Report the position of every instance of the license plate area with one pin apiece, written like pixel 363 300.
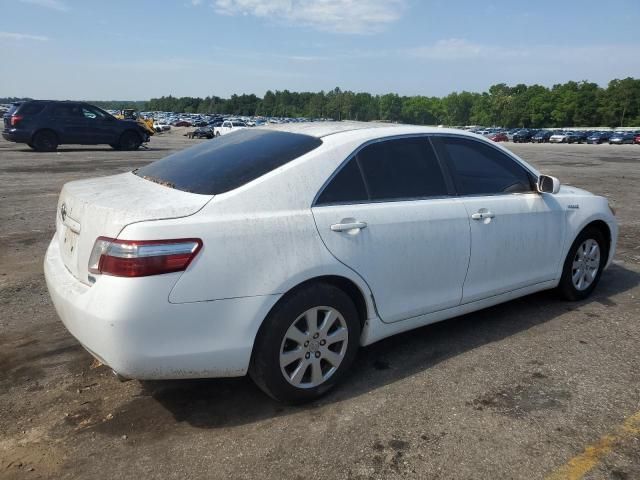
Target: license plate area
pixel 69 246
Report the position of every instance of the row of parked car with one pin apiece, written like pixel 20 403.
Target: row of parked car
pixel 562 136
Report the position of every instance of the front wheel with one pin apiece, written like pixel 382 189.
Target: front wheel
pixel 584 264
pixel 130 141
pixel 306 345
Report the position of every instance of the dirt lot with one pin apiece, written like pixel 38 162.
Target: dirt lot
pixel 516 391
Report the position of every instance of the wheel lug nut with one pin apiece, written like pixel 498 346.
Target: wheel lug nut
pixel 307 355
pixel 317 354
pixel 306 344
pixel 322 342
pixel 316 335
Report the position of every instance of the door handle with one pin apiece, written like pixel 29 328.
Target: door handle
pixel 344 227
pixel 482 215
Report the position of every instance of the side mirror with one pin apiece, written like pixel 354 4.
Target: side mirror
pixel 548 184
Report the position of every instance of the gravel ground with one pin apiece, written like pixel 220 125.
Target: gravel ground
pixel 514 391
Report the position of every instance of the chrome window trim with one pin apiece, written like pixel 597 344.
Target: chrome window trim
pixel 443 168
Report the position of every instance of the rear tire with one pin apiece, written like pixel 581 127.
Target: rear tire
pixel 306 345
pixel 584 264
pixel 130 141
pixel 44 141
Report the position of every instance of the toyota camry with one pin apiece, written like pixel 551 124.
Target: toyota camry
pixel 279 251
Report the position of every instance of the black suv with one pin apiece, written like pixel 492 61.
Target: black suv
pixel 45 124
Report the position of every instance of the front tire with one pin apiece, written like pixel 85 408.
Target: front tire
pixel 306 345
pixel 130 141
pixel 584 264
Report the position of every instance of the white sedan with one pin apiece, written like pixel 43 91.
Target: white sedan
pixel 279 251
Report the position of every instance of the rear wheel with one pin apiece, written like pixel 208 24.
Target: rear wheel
pixel 217 134
pixel 44 141
pixel 130 141
pixel 584 264
pixel 306 344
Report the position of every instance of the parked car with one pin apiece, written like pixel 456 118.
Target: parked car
pixel 598 137
pixel 202 132
pixel 229 126
pixel 182 123
pixel 46 124
pixel 499 137
pixel 620 138
pixel 542 136
pixel 270 251
pixel 523 136
pixel 636 139
pixel 577 137
pixel 559 137
pixel 161 127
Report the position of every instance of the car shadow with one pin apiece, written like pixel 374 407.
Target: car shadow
pixel 96 149
pixel 216 403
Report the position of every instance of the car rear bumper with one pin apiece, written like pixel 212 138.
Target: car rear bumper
pixel 18 136
pixel 129 324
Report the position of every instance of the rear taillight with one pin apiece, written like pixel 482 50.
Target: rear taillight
pixel 142 258
pixel 15 119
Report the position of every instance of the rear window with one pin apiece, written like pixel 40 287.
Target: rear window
pixel 31 108
pixel 229 161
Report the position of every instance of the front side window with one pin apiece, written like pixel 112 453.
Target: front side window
pixel 92 113
pixel 480 169
pixel 405 168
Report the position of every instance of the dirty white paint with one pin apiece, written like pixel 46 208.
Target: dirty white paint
pixel 422 260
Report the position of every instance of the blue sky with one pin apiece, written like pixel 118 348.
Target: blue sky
pixel 123 49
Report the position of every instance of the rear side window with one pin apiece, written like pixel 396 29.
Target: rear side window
pixel 229 161
pixel 347 186
pixel 480 169
pixel 66 110
pixel 31 108
pixel 390 170
pixel 401 168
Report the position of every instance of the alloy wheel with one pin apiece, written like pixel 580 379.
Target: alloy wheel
pixel 313 347
pixel 586 264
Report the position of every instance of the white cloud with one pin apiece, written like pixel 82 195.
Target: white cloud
pixel 22 36
pixel 460 49
pixel 338 16
pixel 51 4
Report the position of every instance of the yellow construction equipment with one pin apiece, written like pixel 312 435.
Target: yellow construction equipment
pixel 132 114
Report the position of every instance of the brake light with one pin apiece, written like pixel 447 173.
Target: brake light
pixel 15 119
pixel 142 258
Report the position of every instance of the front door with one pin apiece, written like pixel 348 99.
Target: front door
pixel 517 234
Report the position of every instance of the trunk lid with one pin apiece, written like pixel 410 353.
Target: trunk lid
pixel 103 206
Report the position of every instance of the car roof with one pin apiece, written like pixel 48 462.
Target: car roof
pixel 362 129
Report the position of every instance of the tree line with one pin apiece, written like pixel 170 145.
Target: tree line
pixel 563 105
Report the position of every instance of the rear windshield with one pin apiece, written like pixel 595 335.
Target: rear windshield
pixel 31 108
pixel 228 161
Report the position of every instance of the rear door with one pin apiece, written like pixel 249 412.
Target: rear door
pixel 68 122
pixel 517 234
pixel 387 214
